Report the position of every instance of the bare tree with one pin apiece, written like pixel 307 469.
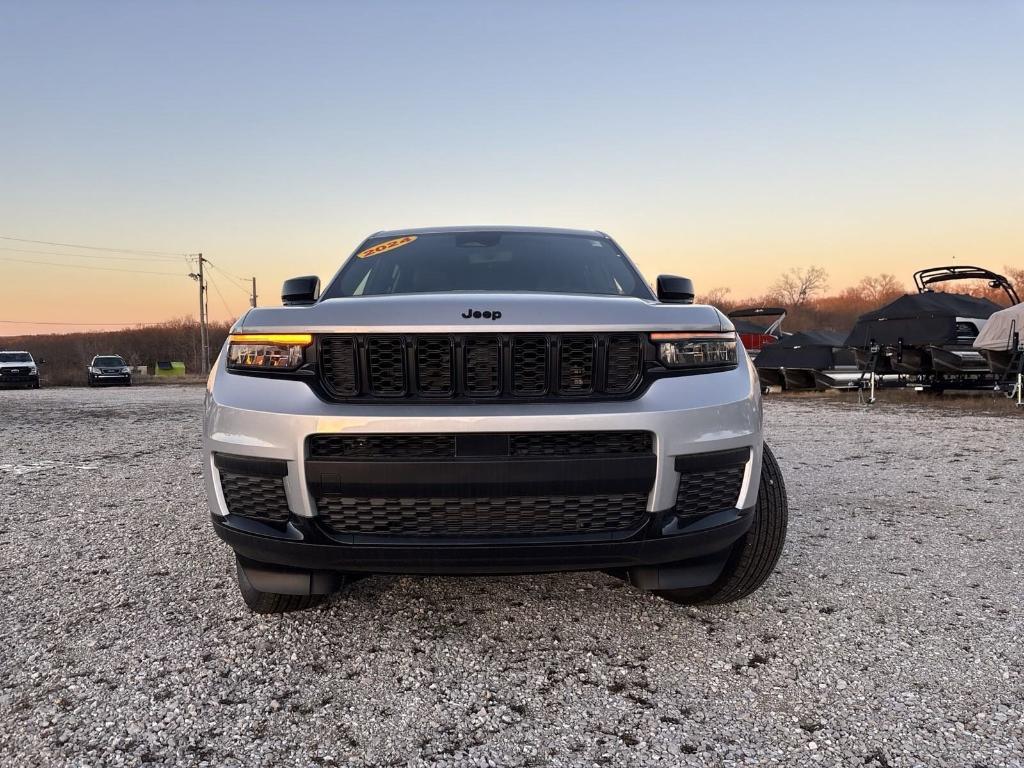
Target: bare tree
pixel 798 286
pixel 716 297
pixel 880 288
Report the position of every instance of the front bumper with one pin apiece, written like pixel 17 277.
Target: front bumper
pixel 17 379
pixel 261 418
pixel 305 546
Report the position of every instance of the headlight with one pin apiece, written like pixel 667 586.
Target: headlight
pixel 93 370
pixel 32 371
pixel 694 350
pixel 267 351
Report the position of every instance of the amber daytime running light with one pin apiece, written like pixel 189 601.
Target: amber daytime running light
pixel 267 351
pixel 696 349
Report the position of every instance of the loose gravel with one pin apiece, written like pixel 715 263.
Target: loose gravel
pixel 889 636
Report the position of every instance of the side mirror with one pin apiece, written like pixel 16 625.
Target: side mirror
pixel 675 290
pixel 300 290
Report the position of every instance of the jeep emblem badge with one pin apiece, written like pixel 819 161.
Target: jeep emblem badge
pixel 491 314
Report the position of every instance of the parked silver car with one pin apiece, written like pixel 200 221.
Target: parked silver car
pixel 487 400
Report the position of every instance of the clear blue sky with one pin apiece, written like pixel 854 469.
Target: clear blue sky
pixel 711 139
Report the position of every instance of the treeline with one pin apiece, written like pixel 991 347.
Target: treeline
pixel 68 354
pixel 803 292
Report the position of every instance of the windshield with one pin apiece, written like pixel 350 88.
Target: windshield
pixel 536 262
pixel 109 361
pixel 15 357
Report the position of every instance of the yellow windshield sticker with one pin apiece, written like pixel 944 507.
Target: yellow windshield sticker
pixel 388 245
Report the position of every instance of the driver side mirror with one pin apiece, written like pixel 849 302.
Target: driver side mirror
pixel 675 290
pixel 300 290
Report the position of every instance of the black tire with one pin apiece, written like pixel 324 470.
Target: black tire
pixel 754 556
pixel 271 602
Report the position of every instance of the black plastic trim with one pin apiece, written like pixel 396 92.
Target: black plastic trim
pixel 701 462
pixel 462 478
pixel 247 465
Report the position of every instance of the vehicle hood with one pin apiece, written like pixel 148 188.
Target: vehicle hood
pixel 519 312
pixel 17 365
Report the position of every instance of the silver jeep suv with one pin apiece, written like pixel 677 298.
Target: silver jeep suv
pixel 490 400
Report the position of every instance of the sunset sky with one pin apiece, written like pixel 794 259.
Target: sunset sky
pixel 723 141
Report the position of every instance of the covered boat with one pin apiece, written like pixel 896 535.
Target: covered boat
pixel 1000 340
pixel 928 333
pixel 797 361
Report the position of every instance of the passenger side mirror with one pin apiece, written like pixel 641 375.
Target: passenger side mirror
pixel 300 290
pixel 675 290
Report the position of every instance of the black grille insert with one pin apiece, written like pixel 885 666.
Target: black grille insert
pixel 434 365
pixel 580 443
pixel 490 517
pixel 529 365
pixel 482 370
pixel 259 497
pixel 381 446
pixel 472 365
pixel 712 490
pixel 338 358
pixel 624 354
pixel 576 365
pixel 386 357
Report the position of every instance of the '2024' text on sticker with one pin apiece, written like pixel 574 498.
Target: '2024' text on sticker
pixel 387 245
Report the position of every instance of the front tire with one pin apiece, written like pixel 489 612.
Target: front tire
pixel 271 602
pixel 754 556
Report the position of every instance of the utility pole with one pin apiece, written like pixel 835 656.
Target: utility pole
pixel 252 301
pixel 204 339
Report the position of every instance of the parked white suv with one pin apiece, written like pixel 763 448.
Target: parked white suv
pixel 489 400
pixel 18 368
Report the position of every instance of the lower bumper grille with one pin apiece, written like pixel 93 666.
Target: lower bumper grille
pixel 342 447
pixel 490 517
pixel 262 498
pixel 713 490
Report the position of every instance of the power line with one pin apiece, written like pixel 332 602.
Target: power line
pixel 223 301
pixel 52 323
pixel 86 266
pixel 95 256
pixel 228 274
pixel 93 247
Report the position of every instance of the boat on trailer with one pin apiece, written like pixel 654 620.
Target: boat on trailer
pixel 930 335
pixel 1001 343
pixel 758 327
pixel 807 360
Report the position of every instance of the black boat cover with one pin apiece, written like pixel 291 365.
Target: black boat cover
pixel 918 319
pixel 807 349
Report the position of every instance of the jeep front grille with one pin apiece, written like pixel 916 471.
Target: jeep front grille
pixel 481 366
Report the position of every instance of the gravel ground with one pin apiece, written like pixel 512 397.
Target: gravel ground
pixel 890 635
